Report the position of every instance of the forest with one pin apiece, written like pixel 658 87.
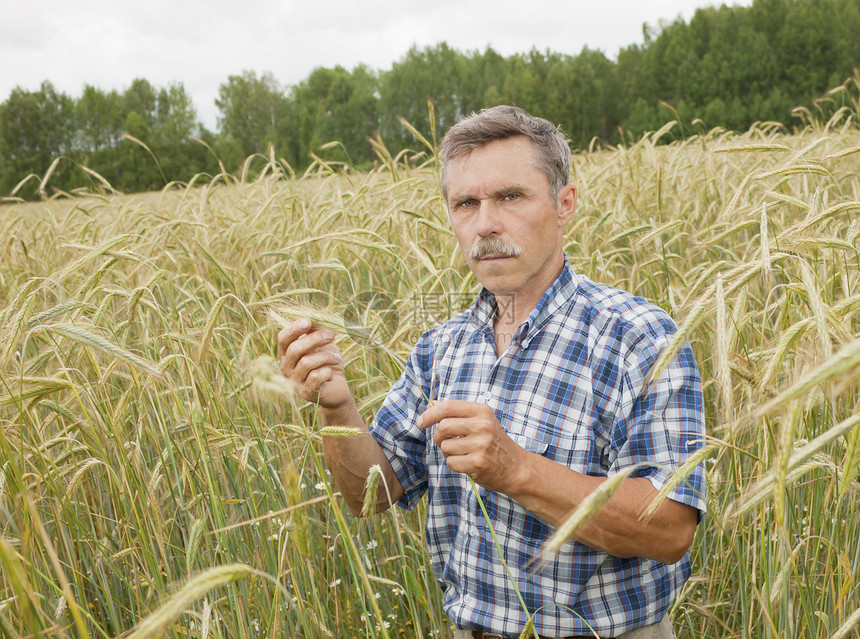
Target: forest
pixel 775 61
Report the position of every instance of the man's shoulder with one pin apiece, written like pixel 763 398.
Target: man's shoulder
pixel 603 306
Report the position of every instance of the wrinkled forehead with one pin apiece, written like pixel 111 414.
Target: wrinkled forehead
pixel 518 152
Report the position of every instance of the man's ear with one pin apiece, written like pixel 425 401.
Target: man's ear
pixel 566 203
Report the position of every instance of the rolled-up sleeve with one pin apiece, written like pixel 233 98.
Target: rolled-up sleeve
pixel 394 424
pixel 660 423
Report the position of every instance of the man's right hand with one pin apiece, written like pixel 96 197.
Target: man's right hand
pixel 310 359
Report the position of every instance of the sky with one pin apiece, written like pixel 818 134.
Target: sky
pixel 109 43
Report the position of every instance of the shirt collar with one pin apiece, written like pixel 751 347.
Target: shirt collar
pixel 563 287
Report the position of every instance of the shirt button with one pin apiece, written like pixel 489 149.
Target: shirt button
pixel 488 396
pixel 473 530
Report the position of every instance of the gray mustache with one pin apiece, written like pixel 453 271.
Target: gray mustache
pixel 493 246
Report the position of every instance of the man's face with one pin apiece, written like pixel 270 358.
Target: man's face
pixel 498 199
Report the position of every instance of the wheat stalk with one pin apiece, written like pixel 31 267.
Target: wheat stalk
pixel 721 353
pixel 284 314
pixel 159 621
pixel 86 337
pixel 29 389
pixel 292 482
pixel 845 630
pixel 673 347
pixel 192 549
pixel 588 508
pixel 846 359
pixel 371 485
pixel 678 478
pixel 798 463
pixel 339 431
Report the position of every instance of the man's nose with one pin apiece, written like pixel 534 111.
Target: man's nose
pixel 489 219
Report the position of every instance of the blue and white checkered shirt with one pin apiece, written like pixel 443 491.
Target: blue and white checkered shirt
pixel 570 387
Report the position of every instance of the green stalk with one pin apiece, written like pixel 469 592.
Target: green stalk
pixel 501 554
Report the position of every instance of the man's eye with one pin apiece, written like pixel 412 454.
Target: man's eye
pixel 512 196
pixel 468 204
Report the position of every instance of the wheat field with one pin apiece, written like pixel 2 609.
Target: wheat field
pixel 157 478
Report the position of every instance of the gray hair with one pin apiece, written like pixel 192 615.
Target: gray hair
pixel 552 154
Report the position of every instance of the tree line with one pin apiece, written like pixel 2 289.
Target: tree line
pixel 727 66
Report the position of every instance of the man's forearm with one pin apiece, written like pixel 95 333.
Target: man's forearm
pixel 349 460
pixel 552 491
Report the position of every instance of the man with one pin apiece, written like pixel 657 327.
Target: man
pixel 536 393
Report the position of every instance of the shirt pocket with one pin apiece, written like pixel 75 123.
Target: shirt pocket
pixel 561 440
pixel 532 445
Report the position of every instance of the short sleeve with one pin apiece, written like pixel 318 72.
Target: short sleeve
pixel 394 427
pixel 661 424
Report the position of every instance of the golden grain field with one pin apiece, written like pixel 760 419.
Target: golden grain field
pixel 157 478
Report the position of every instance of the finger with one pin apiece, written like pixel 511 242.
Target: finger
pixel 450 428
pixel 464 464
pixel 292 332
pixel 316 360
pixel 299 348
pixel 456 446
pixel 448 409
pixel 317 377
pixel 472 464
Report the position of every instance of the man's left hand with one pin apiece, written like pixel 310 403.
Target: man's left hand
pixel 473 442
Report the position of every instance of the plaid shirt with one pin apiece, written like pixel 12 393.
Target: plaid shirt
pixel 569 387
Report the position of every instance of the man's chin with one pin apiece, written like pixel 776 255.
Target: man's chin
pixel 496 283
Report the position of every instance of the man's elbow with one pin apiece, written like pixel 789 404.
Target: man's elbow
pixel 357 508
pixel 675 554
pixel 679 540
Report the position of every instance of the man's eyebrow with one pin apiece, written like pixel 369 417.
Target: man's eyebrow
pixel 505 189
pixel 508 189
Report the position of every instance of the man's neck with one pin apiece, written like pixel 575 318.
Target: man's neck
pixel 503 332
pixel 511 311
pixel 514 308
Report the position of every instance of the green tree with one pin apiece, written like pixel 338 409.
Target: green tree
pixel 140 97
pixel 35 128
pixel 351 115
pixel 434 73
pixel 137 169
pixel 176 126
pixel 175 117
pixel 100 117
pixel 483 80
pixel 642 117
pixel 523 86
pixel 628 76
pixel 254 112
pixel 580 95
pixel 336 105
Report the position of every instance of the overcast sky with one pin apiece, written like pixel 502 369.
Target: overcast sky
pixel 108 43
